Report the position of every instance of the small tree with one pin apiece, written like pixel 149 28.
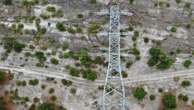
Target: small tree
pixel 139 93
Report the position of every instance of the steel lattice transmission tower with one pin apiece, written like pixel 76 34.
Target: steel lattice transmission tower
pixel 114 93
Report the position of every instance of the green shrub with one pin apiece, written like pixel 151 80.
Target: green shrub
pixel 80 16
pixel 2 104
pixel 74 72
pixel 169 101
pixel 46 106
pixel 59 13
pixel 93 28
pixel 124 74
pixel 186 83
pixel 173 29
pixel 152 61
pixel 158 58
pixel 10 43
pixel 40 56
pixel 187 63
pixel 54 61
pixel 89 74
pixel 34 82
pixel 2 75
pixel 187 5
pixel 7 2
pixel 66 82
pixel 51 9
pixel 51 90
pixel 65 45
pixel 178 1
pixel 128 64
pixel 60 26
pixel 18 47
pixel 152 97
pixel 99 60
pixel 71 30
pixel 139 93
pixel 182 97
pixel 131 1
pixel 146 40
pixel 73 90
pixel 84 58
pixel 92 1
